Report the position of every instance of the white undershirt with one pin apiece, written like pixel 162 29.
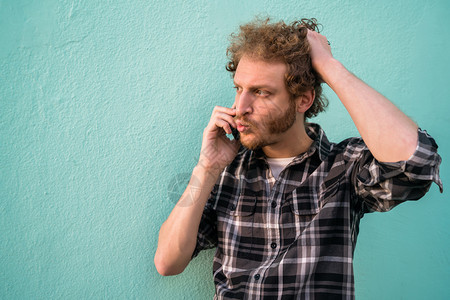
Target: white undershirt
pixel 278 164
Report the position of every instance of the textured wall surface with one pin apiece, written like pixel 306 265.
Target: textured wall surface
pixel 102 108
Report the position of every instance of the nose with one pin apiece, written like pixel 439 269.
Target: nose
pixel 244 101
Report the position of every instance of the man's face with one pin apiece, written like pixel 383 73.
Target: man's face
pixel 264 109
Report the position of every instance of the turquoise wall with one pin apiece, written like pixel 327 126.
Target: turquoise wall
pixel 103 104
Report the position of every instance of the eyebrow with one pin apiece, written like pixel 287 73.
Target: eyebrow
pixel 258 86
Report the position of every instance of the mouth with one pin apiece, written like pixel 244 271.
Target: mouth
pixel 241 127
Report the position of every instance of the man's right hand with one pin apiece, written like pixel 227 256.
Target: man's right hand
pixel 218 150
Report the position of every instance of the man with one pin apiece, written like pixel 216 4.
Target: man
pixel 283 209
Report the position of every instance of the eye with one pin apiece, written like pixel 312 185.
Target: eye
pixel 238 89
pixel 262 93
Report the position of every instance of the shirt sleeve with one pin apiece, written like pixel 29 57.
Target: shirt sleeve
pixel 207 231
pixel 382 186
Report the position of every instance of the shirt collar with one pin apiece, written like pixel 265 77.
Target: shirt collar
pixel 316 133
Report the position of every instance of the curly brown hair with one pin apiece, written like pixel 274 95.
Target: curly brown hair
pixel 261 39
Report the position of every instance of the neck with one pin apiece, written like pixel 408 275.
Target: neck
pixel 291 143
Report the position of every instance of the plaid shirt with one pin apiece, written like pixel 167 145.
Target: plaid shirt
pixel 294 237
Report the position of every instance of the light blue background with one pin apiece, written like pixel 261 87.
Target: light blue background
pixel 103 104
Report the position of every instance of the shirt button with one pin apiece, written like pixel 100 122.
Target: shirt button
pixel 273 245
pixel 257 276
pixel 233 207
pixel 274 204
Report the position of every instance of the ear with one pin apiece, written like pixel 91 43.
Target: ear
pixel 305 101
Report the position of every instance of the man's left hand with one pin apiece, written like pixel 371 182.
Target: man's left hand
pixel 320 51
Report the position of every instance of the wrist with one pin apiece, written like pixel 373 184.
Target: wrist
pixel 327 68
pixel 209 171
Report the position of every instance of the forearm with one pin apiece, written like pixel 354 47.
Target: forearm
pixel 178 234
pixel 388 133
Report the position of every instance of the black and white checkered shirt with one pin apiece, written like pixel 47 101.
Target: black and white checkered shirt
pixel 294 237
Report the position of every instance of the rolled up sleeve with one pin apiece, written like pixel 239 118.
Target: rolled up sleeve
pixel 382 186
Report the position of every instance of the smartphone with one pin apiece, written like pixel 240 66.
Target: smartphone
pixel 235 133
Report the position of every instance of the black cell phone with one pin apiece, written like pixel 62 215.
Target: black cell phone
pixel 235 133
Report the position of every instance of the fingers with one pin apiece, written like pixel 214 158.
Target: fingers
pixel 315 37
pixel 217 149
pixel 224 125
pixel 222 117
pixel 320 52
pixel 230 111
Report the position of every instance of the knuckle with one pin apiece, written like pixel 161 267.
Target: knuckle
pixel 220 123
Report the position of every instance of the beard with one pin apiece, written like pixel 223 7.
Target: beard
pixel 265 132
